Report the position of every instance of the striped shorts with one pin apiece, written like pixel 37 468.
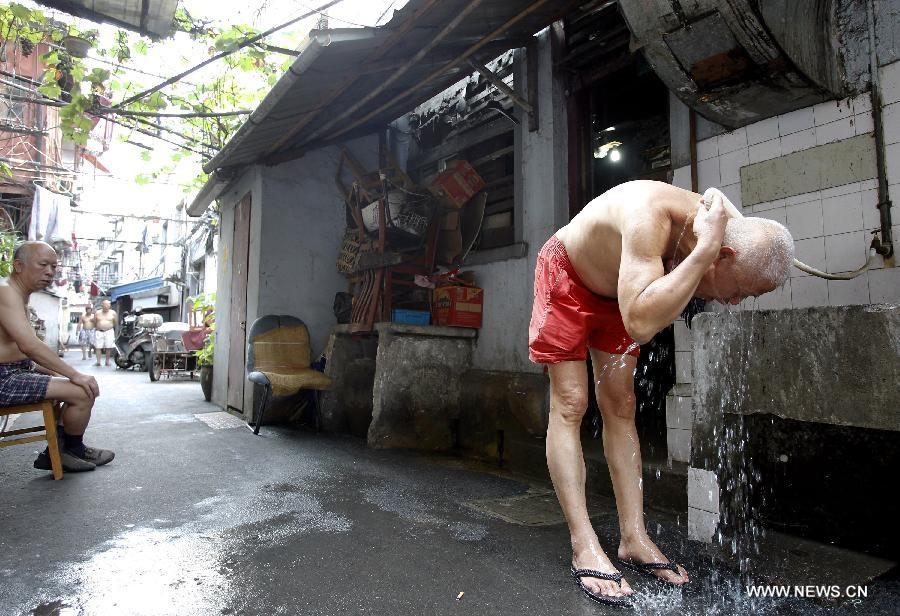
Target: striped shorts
pixel 20 384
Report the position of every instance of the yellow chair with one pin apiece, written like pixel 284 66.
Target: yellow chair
pixel 278 358
pixel 48 429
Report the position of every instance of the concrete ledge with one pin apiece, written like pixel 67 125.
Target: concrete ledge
pixel 437 331
pixel 834 365
pixel 347 406
pixel 417 385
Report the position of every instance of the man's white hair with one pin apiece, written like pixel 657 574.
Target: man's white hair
pixel 765 248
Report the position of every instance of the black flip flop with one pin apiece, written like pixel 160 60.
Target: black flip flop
pixel 595 596
pixel 649 569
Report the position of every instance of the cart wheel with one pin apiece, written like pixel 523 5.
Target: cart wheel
pixel 155 364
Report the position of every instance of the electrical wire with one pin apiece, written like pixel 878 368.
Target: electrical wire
pixel 112 215
pixel 329 17
pixel 384 12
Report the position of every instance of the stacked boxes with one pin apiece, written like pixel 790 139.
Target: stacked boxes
pixel 458 306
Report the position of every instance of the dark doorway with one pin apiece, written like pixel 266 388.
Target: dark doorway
pixel 628 114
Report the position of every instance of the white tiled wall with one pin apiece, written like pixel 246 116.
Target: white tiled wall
pixel 832 228
pixel 703 504
pixel 679 404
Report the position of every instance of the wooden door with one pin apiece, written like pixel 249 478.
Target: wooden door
pixel 237 331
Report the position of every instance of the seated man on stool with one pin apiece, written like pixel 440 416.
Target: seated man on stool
pixel 30 371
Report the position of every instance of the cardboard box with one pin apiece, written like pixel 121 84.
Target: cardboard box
pixel 455 186
pixel 458 306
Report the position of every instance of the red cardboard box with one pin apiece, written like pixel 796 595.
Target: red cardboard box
pixel 459 183
pixel 458 306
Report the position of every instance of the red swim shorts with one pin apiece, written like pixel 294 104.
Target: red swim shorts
pixel 567 317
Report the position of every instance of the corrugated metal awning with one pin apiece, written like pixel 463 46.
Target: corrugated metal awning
pixel 151 17
pixel 353 81
pixel 128 288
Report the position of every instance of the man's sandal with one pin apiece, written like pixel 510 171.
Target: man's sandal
pixel 650 569
pixel 596 596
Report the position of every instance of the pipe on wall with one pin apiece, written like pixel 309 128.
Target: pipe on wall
pixel 883 245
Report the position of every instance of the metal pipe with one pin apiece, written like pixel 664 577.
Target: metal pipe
pixel 692 123
pixel 442 70
pixel 39 137
pixel 399 72
pixel 885 246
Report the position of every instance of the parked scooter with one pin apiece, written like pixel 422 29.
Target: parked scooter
pixel 133 343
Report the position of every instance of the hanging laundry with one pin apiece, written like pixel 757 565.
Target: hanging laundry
pixel 43 214
pixel 51 217
pixel 65 223
pixel 144 244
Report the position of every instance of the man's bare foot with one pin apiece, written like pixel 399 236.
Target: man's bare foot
pixel 643 550
pixel 593 557
pixel 97 364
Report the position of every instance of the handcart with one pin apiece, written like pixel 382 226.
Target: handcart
pixel 173 351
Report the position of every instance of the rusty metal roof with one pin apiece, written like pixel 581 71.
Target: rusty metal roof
pixel 353 81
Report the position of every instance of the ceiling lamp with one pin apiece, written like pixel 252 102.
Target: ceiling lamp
pixel 604 149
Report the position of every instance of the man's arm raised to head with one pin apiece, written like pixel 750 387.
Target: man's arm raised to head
pixel 650 299
pixel 12 310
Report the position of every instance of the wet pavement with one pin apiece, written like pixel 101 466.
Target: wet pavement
pixel 197 516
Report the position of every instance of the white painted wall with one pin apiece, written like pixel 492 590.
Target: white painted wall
pixel 49 308
pixel 302 225
pixel 503 339
pixel 296 226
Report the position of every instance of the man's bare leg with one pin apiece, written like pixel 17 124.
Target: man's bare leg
pixel 108 351
pixel 568 403
pixel 97 350
pixel 77 408
pixel 614 377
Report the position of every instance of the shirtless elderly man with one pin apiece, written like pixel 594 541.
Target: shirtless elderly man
pixel 105 321
pixel 85 331
pixel 30 371
pixel 605 283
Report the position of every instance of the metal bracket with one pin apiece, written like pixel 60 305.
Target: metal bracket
pixel 498 83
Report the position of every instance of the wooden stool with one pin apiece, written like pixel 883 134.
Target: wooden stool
pixel 49 430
